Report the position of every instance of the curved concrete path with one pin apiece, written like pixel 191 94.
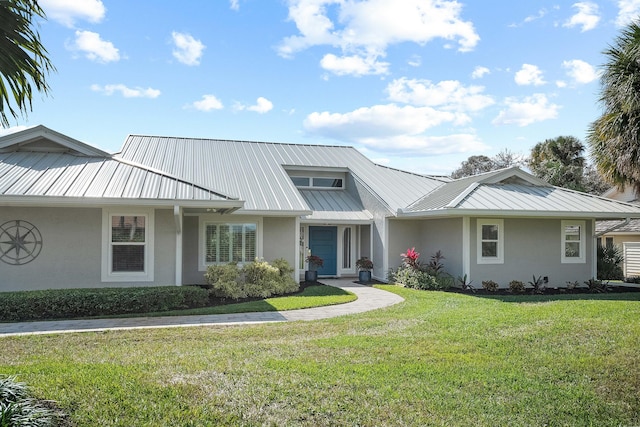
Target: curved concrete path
pixel 369 298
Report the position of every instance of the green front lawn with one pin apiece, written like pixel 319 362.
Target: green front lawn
pixel 439 358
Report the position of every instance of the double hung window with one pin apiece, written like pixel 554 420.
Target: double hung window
pixel 490 241
pixel 127 246
pixel 573 242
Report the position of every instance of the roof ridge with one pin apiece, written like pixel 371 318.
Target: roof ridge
pixel 239 140
pixel 168 175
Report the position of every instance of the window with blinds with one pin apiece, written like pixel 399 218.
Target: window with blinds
pixel 230 243
pixel 128 242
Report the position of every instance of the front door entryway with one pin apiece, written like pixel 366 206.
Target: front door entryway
pixel 323 242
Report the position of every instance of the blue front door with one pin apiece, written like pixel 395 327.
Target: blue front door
pixel 323 242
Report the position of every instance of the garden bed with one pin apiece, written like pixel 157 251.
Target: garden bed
pixel 549 291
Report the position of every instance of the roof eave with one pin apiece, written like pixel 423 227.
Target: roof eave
pixel 516 213
pixel 57 201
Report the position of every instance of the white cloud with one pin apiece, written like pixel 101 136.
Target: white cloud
pixel 561 83
pixel 234 4
pixel 367 28
pixel 262 105
pixel 629 11
pixel 95 48
pixel 449 95
pixel 529 75
pixel 127 92
pixel 393 129
pixel 187 49
pixel 479 72
pixel 580 71
pixel 208 103
pixel 415 61
pixel 67 12
pixel 587 16
pixel 541 14
pixel 532 109
pixel 353 65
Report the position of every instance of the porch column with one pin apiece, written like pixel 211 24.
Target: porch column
pixel 177 215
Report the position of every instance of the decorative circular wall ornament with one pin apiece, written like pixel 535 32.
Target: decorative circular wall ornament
pixel 20 242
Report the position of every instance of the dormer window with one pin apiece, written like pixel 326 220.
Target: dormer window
pixel 317 182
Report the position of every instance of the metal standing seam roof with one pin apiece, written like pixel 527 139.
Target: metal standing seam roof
pixel 443 195
pixel 334 205
pixel 522 198
pixel 254 171
pixel 70 176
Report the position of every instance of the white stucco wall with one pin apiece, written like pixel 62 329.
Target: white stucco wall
pixel 279 239
pixel 531 247
pixel 71 255
pixel 276 239
pixel 428 237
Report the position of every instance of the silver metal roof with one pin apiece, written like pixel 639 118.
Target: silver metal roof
pixel 69 176
pixel 518 199
pixel 632 227
pixel 334 205
pixel 254 171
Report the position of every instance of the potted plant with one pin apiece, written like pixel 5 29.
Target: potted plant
pixel 315 262
pixel 364 266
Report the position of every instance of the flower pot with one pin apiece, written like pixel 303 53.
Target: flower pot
pixel 364 276
pixel 310 276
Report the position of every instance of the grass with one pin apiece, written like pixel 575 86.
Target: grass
pixel 437 359
pixel 311 296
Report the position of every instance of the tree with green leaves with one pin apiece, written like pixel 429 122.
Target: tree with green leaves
pixel 614 138
pixel 480 164
pixel 559 161
pixel 24 64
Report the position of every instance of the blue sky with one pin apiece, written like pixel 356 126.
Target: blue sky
pixel 414 84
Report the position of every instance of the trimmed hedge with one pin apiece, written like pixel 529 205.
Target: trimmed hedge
pixel 70 303
pixel 258 279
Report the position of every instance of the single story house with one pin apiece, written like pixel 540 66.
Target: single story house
pixel 162 209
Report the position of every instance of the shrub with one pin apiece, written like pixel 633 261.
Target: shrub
pixel 259 279
pixel 17 408
pixel 416 279
pixel 70 303
pixel 572 285
pixel 609 260
pixel 489 285
pixel 516 286
pixel 435 267
pixel 225 281
pixel 632 279
pixel 537 285
pixel 410 258
pixel 465 284
pixel 597 286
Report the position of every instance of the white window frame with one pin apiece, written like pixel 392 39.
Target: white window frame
pixel 499 259
pixel 341 250
pixel 107 275
pixel 582 244
pixel 312 178
pixel 202 243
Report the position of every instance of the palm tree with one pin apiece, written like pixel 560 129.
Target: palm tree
pixel 23 59
pixel 559 161
pixel 614 138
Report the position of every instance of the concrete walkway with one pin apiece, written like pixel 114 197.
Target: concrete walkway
pixel 368 299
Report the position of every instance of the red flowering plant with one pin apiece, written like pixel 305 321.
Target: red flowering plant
pixel 410 258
